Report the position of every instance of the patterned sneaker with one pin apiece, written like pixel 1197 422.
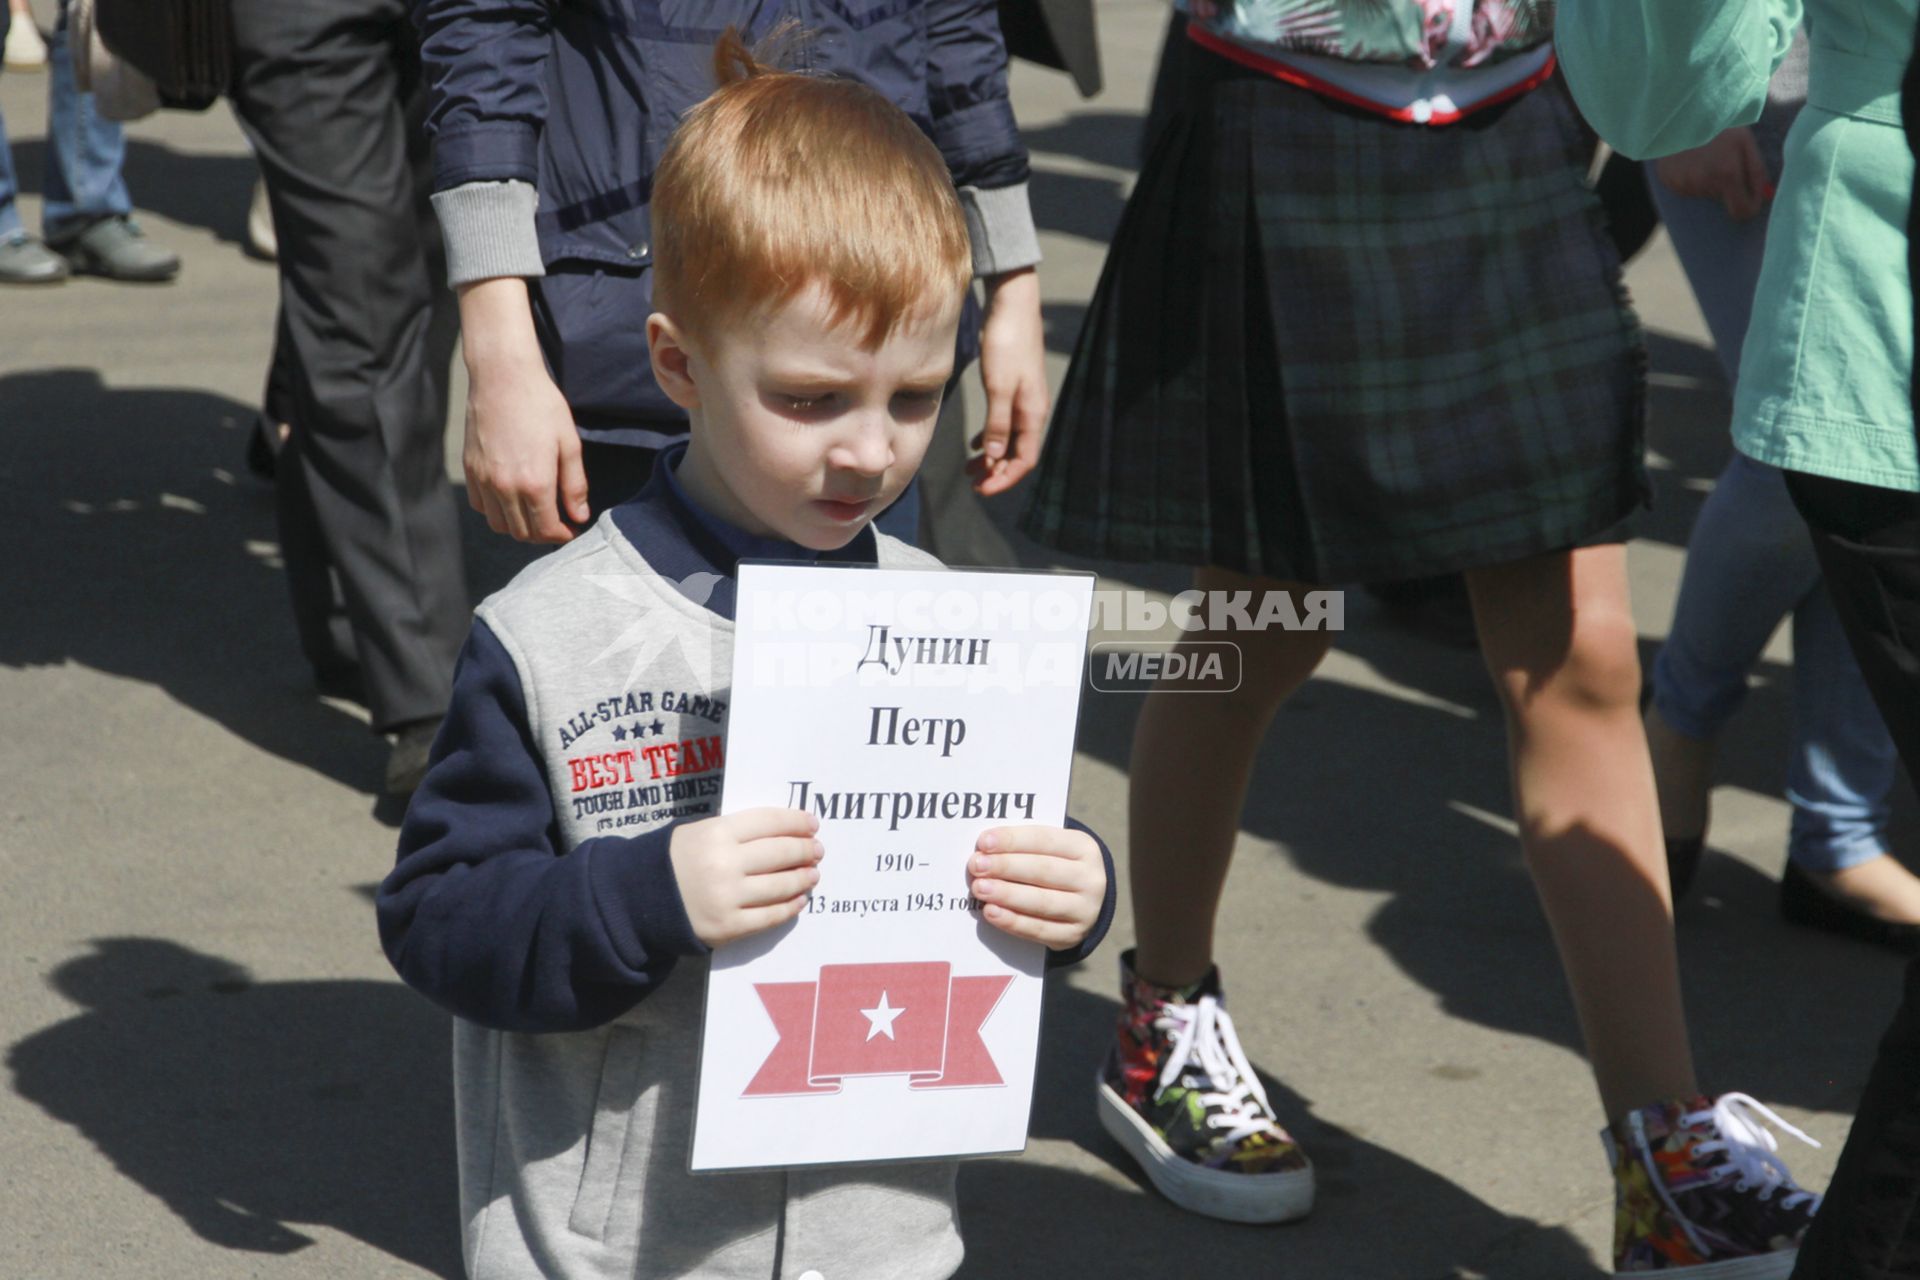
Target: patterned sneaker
pixel 1178 1094
pixel 1699 1192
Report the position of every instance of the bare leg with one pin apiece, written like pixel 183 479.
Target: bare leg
pixel 1559 639
pixel 1197 749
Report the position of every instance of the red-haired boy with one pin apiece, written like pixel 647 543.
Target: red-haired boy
pixel 811 259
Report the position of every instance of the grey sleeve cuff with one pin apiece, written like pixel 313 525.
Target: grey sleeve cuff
pixel 1000 224
pixel 488 229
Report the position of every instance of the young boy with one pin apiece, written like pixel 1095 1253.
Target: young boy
pixel 812 258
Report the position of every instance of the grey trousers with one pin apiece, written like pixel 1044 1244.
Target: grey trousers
pixel 328 90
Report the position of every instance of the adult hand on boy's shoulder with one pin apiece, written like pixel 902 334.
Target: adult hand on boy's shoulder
pixel 1042 883
pixel 1013 369
pixel 745 872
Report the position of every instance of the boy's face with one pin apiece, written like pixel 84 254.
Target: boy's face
pixel 798 431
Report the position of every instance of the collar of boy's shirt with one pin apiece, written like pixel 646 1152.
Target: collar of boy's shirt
pixel 698 551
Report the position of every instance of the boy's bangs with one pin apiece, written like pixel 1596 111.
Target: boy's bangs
pixel 880 266
pixel 783 181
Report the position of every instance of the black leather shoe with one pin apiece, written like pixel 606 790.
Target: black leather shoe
pixel 340 681
pixel 1804 902
pixel 407 762
pixel 263 450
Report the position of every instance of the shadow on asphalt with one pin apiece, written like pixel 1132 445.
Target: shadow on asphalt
pixel 1379 793
pixel 257 1111
pixel 1061 323
pixel 1018 1216
pixel 253 1110
pixel 209 191
pixel 1108 138
pixel 1075 204
pixel 141 546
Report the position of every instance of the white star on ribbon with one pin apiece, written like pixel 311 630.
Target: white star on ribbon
pixel 881 1019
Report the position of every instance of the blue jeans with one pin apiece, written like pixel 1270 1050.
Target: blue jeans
pixel 84 154
pixel 1750 562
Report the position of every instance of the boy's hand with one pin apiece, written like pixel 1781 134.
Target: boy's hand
pixel 745 872
pixel 1042 883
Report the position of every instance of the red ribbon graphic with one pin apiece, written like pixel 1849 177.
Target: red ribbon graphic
pixel 913 1019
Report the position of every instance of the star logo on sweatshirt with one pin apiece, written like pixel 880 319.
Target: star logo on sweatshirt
pixel 653 631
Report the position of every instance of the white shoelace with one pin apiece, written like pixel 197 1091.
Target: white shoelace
pixel 1750 1150
pixel 1201 1035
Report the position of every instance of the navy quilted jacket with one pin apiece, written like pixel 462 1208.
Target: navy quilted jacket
pixel 579 98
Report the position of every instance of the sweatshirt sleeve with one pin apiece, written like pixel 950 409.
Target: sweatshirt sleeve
pixel 1074 955
pixel 485 914
pixel 1658 76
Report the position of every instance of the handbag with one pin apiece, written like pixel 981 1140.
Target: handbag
pixel 119 92
pixel 139 55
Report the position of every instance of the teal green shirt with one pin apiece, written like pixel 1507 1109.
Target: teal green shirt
pixel 1825 378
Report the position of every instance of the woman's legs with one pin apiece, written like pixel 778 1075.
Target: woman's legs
pixel 1198 749
pixel 1749 564
pixel 1842 773
pixel 1719 628
pixel 1722 260
pixel 1177 1092
pixel 1559 639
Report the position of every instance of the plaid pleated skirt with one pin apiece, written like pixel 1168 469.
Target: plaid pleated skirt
pixel 1331 348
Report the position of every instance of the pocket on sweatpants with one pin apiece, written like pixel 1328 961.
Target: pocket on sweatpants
pixel 614 1105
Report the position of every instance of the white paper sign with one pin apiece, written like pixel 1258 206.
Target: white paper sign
pixel 911 710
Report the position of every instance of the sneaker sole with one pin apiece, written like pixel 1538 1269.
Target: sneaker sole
pixel 1232 1197
pixel 147 275
pixel 84 262
pixel 1771 1266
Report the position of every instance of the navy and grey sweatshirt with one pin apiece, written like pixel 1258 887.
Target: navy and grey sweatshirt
pixel 605 664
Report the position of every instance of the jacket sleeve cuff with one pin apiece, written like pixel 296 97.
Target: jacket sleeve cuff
pixel 640 904
pixel 485 151
pixel 1000 225
pixel 488 229
pixel 1074 955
